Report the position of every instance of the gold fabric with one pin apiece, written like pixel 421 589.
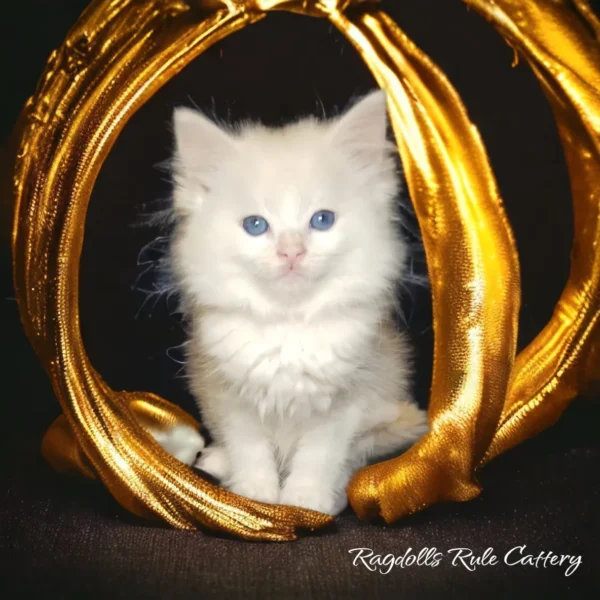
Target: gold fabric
pixel 470 368
pixel 473 270
pixel 562 48
pixel 119 54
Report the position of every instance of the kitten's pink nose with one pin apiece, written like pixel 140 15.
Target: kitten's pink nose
pixel 291 248
pixel 291 255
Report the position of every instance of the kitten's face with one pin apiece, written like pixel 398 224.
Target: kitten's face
pixel 276 218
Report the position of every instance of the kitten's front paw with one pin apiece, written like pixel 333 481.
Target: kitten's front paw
pixel 181 441
pixel 260 487
pixel 214 461
pixel 315 496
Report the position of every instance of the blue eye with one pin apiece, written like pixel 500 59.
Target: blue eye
pixel 322 220
pixel 255 225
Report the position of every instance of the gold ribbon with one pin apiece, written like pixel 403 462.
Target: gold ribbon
pixel 473 270
pixel 558 364
pixel 565 56
pixel 116 57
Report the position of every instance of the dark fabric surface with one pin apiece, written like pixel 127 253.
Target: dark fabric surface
pixel 64 537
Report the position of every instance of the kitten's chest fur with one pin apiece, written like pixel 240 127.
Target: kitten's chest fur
pixel 286 367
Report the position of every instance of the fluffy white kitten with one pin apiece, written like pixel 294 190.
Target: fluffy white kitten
pixel 287 255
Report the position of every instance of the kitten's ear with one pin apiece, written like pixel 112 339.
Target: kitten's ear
pixel 362 131
pixel 200 144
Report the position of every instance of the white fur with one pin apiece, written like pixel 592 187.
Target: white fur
pixel 182 441
pixel 300 377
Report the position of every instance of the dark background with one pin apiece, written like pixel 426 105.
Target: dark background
pixel 546 491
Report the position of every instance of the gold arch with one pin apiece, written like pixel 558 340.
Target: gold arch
pixel 119 54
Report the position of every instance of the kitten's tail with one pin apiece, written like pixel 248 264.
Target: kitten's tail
pixel 391 437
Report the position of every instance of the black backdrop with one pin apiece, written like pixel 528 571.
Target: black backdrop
pixel 285 66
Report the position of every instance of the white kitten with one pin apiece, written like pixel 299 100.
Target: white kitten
pixel 287 255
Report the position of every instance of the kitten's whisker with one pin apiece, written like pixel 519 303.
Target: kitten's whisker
pixel 145 301
pixel 152 245
pixel 323 111
pixel 194 103
pixel 169 354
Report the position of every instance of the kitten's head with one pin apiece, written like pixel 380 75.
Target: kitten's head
pixel 302 216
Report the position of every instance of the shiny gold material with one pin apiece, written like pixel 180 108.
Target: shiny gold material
pixel 473 270
pixel 119 53
pixel 564 358
pixel 60 447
